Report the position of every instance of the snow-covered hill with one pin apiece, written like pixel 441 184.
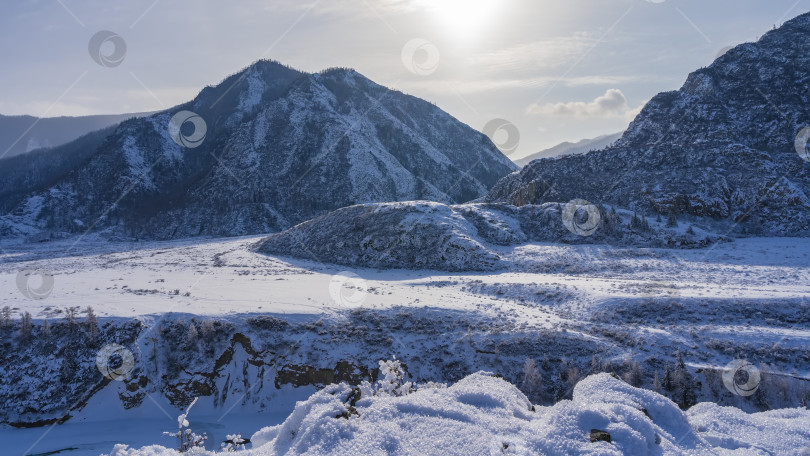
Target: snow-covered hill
pixel 280 147
pixel 723 147
pixel 485 415
pixel 469 237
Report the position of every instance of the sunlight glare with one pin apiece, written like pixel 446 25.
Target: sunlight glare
pixel 464 18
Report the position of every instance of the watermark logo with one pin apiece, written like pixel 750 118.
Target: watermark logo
pixel 188 129
pixel 802 144
pixel 39 288
pixel 581 217
pixel 420 57
pixel 504 134
pixel 115 361
pixel 348 289
pixel 107 48
pixel 741 378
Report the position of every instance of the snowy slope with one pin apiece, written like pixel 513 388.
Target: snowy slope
pixel 482 414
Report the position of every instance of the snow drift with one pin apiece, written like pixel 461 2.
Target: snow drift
pixel 483 414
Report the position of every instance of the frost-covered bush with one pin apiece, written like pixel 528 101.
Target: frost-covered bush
pixel 391 382
pixel 186 438
pixel 235 442
pixel 532 383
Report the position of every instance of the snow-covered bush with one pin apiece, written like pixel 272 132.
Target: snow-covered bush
pixel 186 438
pixel 532 384
pixel 391 382
pixel 235 442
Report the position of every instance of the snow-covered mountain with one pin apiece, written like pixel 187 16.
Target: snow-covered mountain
pixel 723 147
pixel 569 148
pixel 21 134
pixel 280 147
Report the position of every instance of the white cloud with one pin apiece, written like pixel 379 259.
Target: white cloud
pixel 612 104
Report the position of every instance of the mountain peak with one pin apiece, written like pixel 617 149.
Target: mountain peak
pixel 721 149
pixel 280 147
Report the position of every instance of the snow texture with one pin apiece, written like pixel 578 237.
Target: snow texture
pixel 483 414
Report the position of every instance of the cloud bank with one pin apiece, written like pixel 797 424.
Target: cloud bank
pixel 612 104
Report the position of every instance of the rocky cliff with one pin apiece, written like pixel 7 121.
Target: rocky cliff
pixel 722 148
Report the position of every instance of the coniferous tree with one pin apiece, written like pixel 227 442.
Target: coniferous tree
pixel 5 317
pixel 91 322
pixel 657 384
pixel 684 385
pixel 672 221
pixel 25 327
pixel 633 376
pixel 667 382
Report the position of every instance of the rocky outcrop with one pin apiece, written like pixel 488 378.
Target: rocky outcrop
pixel 423 235
pixel 723 148
pixel 51 373
pixel 343 372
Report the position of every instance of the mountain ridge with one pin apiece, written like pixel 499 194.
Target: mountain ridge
pixel 280 147
pixel 21 134
pixel 571 148
pixel 722 148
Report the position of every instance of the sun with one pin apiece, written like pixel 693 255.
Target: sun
pixel 464 18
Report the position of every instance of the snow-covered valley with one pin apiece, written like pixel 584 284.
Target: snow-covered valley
pixel 311 262
pixel 271 330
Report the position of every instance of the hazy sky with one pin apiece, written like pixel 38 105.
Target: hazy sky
pixel 558 70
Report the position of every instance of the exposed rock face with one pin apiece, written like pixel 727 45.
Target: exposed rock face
pixel 722 147
pixel 343 372
pixel 281 147
pixel 250 361
pixel 48 376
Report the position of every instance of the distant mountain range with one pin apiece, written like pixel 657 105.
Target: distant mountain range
pixel 569 148
pixel 725 148
pixel 278 147
pixel 21 134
